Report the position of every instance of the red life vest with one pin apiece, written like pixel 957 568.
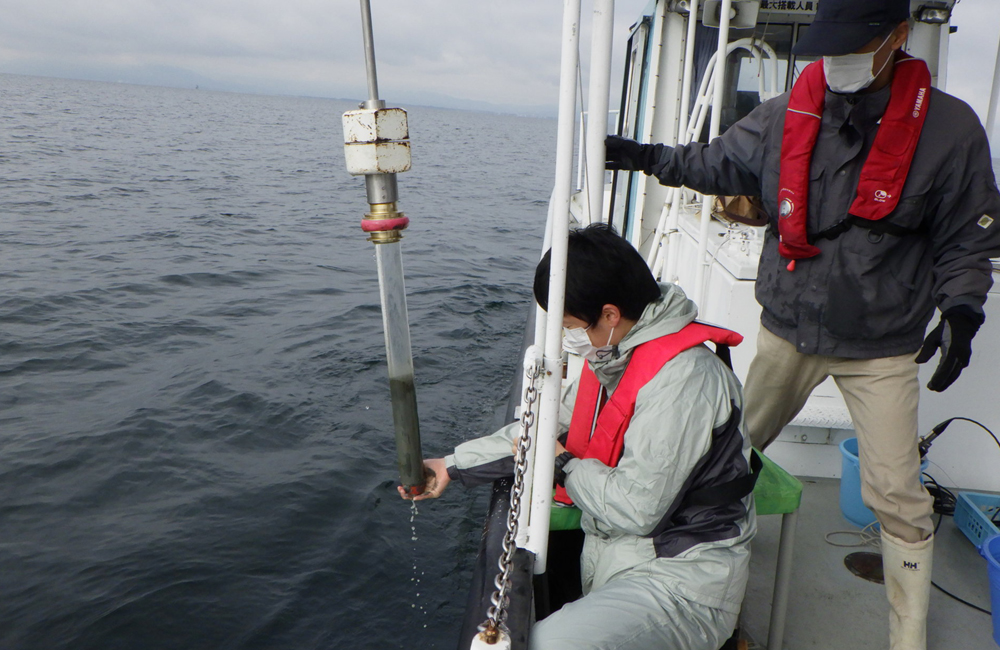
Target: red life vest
pixel 608 439
pixel 885 169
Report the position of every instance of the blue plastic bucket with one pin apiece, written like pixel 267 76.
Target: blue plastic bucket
pixel 991 551
pixel 854 509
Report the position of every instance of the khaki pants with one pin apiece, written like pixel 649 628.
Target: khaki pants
pixel 881 395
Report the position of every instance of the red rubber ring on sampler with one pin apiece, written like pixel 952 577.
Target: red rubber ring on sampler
pixel 379 225
pixel 414 490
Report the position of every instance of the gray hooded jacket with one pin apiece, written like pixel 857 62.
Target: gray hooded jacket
pixel 865 295
pixel 686 433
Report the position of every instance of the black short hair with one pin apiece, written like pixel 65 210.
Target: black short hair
pixel 602 269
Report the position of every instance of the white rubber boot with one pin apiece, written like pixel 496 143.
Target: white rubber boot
pixel 907 569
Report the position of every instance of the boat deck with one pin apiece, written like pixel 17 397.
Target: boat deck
pixel 829 607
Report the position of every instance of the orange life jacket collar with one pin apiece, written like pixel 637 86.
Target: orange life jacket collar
pixel 608 439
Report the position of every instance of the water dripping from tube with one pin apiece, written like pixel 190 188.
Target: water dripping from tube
pixel 417 574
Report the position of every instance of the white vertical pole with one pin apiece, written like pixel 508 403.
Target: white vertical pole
pixel 541 499
pixel 713 132
pixel 597 105
pixel 657 32
pixel 672 240
pixel 944 38
pixel 991 115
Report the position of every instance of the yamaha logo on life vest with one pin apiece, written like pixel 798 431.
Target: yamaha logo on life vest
pixel 920 102
pixel 882 196
pixel 785 209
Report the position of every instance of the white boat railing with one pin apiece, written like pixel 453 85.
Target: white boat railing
pixel 667 221
pixel 602 32
pixel 991 114
pixel 663 252
pixel 537 522
pixel 718 86
pixel 581 156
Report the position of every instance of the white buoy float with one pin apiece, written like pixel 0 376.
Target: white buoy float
pixel 500 642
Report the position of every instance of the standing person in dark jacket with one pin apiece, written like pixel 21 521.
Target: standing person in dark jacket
pixel 883 204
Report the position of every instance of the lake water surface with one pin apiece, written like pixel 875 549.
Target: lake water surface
pixel 196 444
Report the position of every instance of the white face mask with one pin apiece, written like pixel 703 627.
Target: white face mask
pixel 575 340
pixel 852 72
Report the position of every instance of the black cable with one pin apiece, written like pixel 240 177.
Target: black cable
pixel 944 424
pixel 944 499
pixel 945 591
pixel 964 602
pixel 984 427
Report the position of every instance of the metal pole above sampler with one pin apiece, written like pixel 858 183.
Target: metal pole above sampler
pixel 377 145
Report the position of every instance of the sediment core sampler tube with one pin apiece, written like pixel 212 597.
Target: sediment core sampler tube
pixel 389 260
pixel 376 144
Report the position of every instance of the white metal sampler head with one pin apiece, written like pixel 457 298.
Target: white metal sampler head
pixel 376 141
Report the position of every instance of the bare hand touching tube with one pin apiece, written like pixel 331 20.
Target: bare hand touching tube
pixel 436 473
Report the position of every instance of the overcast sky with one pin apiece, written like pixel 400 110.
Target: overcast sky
pixel 503 53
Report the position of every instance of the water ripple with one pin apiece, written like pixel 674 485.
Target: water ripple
pixel 196 445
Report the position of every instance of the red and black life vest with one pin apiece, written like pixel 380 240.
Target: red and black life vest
pixel 608 439
pixel 884 171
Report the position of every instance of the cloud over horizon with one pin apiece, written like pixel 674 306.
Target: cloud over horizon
pixel 501 54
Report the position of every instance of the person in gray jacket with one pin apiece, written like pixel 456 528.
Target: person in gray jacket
pixel 659 569
pixel 855 258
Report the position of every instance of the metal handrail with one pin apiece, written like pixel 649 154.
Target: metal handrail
pixel 581 168
pixel 664 253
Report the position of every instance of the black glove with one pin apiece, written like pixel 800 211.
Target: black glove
pixel 559 476
pixel 629 155
pixel 954 336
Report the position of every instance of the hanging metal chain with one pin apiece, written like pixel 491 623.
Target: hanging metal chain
pixel 497 613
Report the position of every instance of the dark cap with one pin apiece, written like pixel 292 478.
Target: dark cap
pixel 845 26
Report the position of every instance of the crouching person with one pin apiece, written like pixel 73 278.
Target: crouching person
pixel 662 476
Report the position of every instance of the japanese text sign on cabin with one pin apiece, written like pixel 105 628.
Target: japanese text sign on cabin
pixel 804 6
